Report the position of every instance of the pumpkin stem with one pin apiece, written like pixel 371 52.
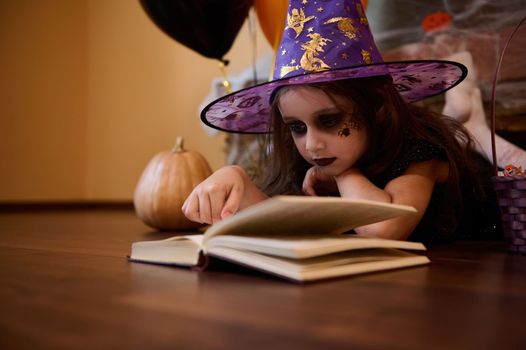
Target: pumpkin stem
pixel 178 145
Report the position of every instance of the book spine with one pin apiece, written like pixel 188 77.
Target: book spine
pixel 203 262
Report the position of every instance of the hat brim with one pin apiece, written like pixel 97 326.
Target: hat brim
pixel 248 110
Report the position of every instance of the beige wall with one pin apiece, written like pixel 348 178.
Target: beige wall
pixel 90 91
pixel 42 99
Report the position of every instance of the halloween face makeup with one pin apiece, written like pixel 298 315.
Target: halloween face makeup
pixel 322 128
pixel 345 130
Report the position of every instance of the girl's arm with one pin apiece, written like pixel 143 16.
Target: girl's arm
pixel 222 194
pixel 413 188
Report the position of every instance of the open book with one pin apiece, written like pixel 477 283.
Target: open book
pixel 299 238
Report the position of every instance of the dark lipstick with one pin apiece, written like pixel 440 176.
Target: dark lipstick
pixel 324 161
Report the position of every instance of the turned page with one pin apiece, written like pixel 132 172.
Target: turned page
pixel 289 215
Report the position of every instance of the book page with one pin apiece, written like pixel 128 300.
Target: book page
pixel 305 246
pixel 282 215
pixel 178 250
pixel 315 263
pixel 332 265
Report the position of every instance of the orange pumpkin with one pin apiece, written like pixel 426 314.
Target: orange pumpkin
pixel 167 180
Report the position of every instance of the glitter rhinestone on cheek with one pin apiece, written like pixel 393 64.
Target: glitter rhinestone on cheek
pixel 345 130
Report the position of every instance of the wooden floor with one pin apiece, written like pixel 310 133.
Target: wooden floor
pixel 66 284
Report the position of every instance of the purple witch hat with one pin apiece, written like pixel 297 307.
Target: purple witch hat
pixel 327 40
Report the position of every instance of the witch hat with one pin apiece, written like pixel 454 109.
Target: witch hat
pixel 325 40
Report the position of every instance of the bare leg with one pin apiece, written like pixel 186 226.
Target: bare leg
pixel 464 103
pixel 458 99
pixel 507 153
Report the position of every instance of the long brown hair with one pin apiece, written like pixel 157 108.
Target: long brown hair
pixel 388 121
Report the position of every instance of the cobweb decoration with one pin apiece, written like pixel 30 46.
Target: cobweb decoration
pixel 398 22
pixel 480 27
pixel 474 25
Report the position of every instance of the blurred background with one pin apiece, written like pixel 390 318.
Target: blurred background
pixel 90 90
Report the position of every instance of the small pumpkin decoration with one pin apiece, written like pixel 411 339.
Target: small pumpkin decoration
pixel 436 21
pixel 165 183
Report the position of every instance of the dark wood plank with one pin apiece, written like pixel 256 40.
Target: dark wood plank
pixel 66 284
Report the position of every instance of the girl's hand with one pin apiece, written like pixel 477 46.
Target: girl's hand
pixel 222 194
pixel 316 183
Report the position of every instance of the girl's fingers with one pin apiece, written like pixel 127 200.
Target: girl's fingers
pixel 309 191
pixel 232 203
pixel 204 208
pixel 215 198
pixel 191 208
pixel 308 183
pixel 217 202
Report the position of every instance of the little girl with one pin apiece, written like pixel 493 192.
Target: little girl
pixel 347 130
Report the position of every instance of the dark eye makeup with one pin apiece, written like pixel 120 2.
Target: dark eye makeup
pixel 297 127
pixel 326 122
pixel 329 121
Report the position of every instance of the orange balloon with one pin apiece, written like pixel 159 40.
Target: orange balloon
pixel 271 16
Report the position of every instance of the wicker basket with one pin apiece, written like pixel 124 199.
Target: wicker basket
pixel 511 190
pixel 511 194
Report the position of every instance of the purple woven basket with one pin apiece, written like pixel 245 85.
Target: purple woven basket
pixel 511 194
pixel 511 190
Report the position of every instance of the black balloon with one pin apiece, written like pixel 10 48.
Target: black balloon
pixel 208 27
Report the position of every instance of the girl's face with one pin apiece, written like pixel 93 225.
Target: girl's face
pixel 324 135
